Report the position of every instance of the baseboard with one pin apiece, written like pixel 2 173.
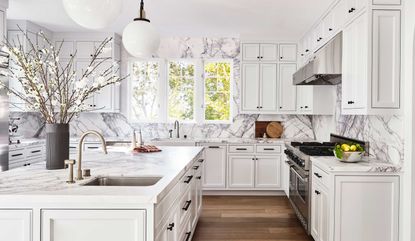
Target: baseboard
pixel 242 193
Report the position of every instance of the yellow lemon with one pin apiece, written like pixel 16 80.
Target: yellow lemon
pixel 353 148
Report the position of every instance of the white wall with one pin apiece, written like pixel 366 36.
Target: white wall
pixel 408 210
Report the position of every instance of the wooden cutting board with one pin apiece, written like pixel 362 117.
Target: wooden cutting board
pixel 274 129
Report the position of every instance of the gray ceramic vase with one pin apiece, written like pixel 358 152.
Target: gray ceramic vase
pixel 57 145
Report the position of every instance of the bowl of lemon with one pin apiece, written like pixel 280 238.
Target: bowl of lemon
pixel 349 152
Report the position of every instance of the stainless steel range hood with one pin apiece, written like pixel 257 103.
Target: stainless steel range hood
pixel 325 67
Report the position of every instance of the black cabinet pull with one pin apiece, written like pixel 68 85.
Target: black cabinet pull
pixel 317 175
pixel 199 177
pixel 262 57
pixel 189 178
pixel 201 160
pixel 93 147
pixel 301 107
pixel 350 102
pixel 15 155
pixel 317 192
pixel 307 50
pixel 187 205
pixel 269 149
pixel 37 151
pixel 214 147
pixel 170 227
pixel 330 29
pixel 258 57
pixel 241 149
pixel 281 57
pixel 195 167
pixel 306 106
pixel 188 235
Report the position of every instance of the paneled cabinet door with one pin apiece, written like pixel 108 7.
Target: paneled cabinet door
pixel 339 14
pixel 93 225
pixel 250 86
pixel 241 172
pixel 80 68
pixel 287 90
pixel 16 225
pixel 305 99
pixel 214 168
pixel 85 49
pixel 386 70
pixel 288 52
pixel 66 49
pixel 320 213
pixel 268 52
pixel 103 99
pixel 250 52
pixel 268 172
pixel 268 93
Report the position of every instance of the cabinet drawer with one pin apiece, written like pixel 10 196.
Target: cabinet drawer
pixel 241 149
pixel 35 151
pixel 163 209
pixel 320 176
pixel 17 163
pixel 268 149
pixel 187 180
pixel 186 206
pixel 16 155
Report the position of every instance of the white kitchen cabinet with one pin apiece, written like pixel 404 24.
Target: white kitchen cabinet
pixel 320 211
pixel 288 52
pixel 339 16
pixel 318 36
pixel 214 168
pixel 241 172
pixel 315 99
pixel 366 208
pixel 66 49
pixel 355 7
pixel 267 171
pixel 287 90
pixel 16 225
pixel 259 52
pixel 259 86
pixel 387 2
pixel 304 99
pixel 85 49
pixel 170 228
pixel 87 225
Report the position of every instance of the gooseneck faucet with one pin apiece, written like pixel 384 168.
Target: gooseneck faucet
pixel 81 142
pixel 177 128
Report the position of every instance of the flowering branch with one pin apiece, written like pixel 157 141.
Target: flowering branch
pixel 51 86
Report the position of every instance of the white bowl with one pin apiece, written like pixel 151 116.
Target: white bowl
pixel 351 156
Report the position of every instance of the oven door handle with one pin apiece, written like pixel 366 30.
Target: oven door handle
pixel 303 178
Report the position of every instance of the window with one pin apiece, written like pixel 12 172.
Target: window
pixel 181 91
pixel 217 88
pixel 145 91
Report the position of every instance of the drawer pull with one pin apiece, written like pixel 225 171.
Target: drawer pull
pixel 15 155
pixel 199 177
pixel 241 149
pixel 189 178
pixel 195 167
pixel 317 175
pixel 37 151
pixel 214 147
pixel 201 160
pixel 187 205
pixel 170 227
pixel 317 192
pixel 269 149
pixel 93 147
pixel 188 235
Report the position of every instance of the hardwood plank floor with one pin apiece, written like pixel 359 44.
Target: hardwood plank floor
pixel 237 218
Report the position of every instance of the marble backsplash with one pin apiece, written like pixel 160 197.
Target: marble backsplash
pixel 385 133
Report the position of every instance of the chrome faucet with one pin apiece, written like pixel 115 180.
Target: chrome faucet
pixel 177 128
pixel 81 142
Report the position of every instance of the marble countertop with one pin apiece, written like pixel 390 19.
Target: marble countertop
pixel 368 164
pixel 37 184
pixel 27 142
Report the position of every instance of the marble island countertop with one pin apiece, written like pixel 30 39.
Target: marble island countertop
pixel 34 182
pixel 368 164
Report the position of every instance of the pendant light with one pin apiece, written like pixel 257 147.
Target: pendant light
pixel 93 14
pixel 139 37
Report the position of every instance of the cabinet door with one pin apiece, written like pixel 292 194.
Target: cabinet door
pixel 339 14
pixel 214 168
pixel 250 87
pixel 268 52
pixel 106 51
pixel 318 35
pixel 386 57
pixel 80 68
pixel 305 99
pixel 366 208
pixel 387 2
pixel 268 87
pixel 85 49
pixel 348 71
pixel 268 172
pixel 320 209
pixel 93 225
pixel 288 52
pixel 16 225
pixel 315 213
pixel 287 90
pixel 328 26
pixel 241 172
pixel 250 52
pixel 16 104
pixel 103 99
pixel 66 49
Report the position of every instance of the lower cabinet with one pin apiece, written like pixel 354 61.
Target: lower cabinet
pixel 214 167
pixel 241 172
pixel 87 225
pixel 268 172
pixel 16 225
pixel 320 210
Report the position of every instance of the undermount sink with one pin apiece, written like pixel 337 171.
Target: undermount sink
pixel 123 181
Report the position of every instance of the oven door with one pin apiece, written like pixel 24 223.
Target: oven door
pixel 299 192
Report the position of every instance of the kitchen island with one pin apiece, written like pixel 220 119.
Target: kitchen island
pixel 38 205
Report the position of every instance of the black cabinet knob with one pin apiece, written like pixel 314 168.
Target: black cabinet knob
pixel 258 57
pixel 170 227
pixel 262 57
pixel 350 102
pixel 307 50
pixel 187 205
pixel 317 192
pixel 281 57
pixel 306 107
pixel 330 29
pixel 317 175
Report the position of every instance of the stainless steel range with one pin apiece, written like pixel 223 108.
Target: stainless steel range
pixel 298 157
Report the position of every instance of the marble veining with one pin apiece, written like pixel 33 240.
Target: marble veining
pixel 385 134
pixel 368 164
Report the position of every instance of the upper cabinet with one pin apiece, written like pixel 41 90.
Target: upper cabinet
pixel 288 52
pixel 259 52
pixel 372 53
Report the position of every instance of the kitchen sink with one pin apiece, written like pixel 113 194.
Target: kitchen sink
pixel 123 181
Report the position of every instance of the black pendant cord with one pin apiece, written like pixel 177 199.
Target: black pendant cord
pixel 142 13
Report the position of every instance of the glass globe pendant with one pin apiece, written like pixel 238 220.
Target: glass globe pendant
pixel 93 14
pixel 139 37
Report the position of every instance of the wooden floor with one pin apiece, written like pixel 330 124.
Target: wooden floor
pixel 247 219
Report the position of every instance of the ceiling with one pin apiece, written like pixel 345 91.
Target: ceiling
pixel 276 19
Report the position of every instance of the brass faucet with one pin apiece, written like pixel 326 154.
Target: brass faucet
pixel 81 142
